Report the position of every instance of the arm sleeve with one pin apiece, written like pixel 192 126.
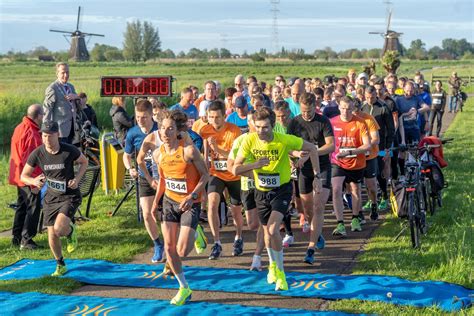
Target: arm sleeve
pixel 327 128
pixel 33 158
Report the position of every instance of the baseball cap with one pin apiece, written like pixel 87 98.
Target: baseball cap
pixel 203 107
pixel 240 102
pixel 49 127
pixel 362 75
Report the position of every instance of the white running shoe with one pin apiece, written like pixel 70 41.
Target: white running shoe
pixel 288 241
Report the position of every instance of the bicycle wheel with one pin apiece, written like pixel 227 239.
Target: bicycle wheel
pixel 415 232
pixel 430 201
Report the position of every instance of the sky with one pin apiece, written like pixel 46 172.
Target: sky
pixel 240 25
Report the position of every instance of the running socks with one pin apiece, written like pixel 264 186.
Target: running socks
pixel 60 261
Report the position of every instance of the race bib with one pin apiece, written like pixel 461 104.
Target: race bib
pixel 293 175
pixel 220 165
pixel 176 185
pixel 59 186
pixel 269 180
pixel 251 184
pixel 346 149
pixel 437 101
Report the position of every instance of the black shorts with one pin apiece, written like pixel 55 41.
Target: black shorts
pixel 55 204
pixel 248 199
pixel 355 176
pixel 306 178
pixel 278 199
pixel 144 188
pixel 371 168
pixel 233 187
pixel 296 190
pixel 172 213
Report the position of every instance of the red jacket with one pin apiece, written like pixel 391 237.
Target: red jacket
pixel 25 139
pixel 436 152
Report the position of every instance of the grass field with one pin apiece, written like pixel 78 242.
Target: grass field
pixel 446 253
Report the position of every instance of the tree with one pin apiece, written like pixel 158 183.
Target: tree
pixel 113 54
pixel 374 53
pixel 133 41
pixel 356 54
pixel 225 53
pixel 213 53
pixel 195 53
pixel 181 54
pixel 435 52
pixel 98 52
pixel 417 50
pixel 167 54
pixel 151 43
pixel 39 51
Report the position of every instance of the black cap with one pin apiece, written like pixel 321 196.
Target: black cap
pixel 49 127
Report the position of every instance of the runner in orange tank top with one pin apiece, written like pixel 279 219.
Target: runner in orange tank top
pixel 183 176
pixel 218 138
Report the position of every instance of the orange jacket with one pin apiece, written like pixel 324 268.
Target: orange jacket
pixel 25 139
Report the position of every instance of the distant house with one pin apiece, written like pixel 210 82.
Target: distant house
pixel 45 58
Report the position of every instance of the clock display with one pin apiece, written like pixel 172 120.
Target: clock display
pixel 159 86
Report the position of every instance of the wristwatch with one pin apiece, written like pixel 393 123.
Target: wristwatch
pixel 317 175
pixel 194 196
pixel 350 152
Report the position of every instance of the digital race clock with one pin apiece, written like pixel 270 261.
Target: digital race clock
pixel 159 86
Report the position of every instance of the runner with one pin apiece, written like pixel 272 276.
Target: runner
pixel 247 185
pixel 146 188
pixel 183 176
pixel 317 130
pixel 218 138
pixel 371 155
pixel 271 171
pixel 63 197
pixel 348 162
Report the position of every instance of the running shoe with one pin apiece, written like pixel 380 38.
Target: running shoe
pixel 238 247
pixel 281 284
pixel 309 259
pixel 340 230
pixel 355 225
pixel 184 295
pixel 362 218
pixel 271 276
pixel 201 240
pixel 158 253
pixel 215 252
pixel 288 240
pixel 72 239
pixel 256 263
pixel 306 227
pixel 321 242
pixel 60 270
pixel 374 215
pixel 368 205
pixel 383 204
pixel 292 211
pixel 347 199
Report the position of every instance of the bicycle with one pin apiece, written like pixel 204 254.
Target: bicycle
pixel 417 186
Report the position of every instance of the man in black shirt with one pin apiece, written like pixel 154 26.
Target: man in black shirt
pixel 382 114
pixel 317 130
pixel 56 160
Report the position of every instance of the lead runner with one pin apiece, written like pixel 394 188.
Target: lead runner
pixel 271 171
pixel 183 176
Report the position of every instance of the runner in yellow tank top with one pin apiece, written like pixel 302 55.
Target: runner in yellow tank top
pixel 183 176
pixel 271 171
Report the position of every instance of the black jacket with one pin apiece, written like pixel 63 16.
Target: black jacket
pixel 121 122
pixel 384 118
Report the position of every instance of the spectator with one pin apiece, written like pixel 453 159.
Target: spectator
pixel 59 103
pixel 88 110
pixel 120 119
pixel 26 138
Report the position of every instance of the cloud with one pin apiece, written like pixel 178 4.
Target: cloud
pixel 56 18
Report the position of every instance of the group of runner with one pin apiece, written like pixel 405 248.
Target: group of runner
pixel 266 149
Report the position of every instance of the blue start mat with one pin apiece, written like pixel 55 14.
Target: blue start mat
pixel 449 297
pixel 35 304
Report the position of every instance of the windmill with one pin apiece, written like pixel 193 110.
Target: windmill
pixel 78 50
pixel 391 38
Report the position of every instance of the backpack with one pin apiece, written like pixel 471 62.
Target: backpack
pixel 437 178
pixel 397 199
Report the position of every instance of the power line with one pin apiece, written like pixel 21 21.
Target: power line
pixel 275 10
